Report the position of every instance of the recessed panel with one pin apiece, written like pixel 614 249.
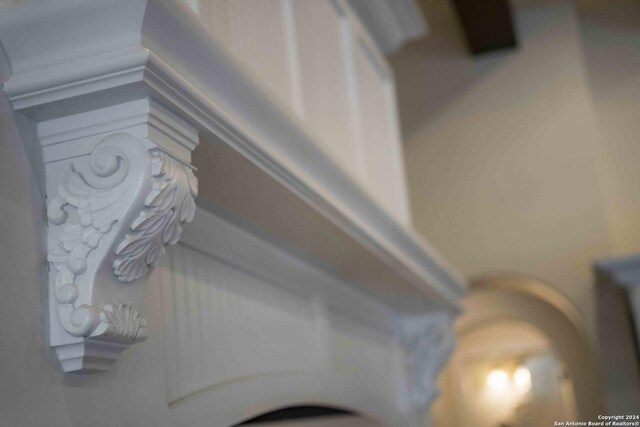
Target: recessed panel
pixel 383 151
pixel 223 325
pixel 320 26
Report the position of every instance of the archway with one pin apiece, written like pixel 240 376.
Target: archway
pixel 310 416
pixel 514 297
pixel 236 402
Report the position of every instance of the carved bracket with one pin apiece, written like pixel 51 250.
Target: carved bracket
pixel 428 340
pixel 115 200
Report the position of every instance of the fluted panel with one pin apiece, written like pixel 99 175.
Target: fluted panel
pixel 223 324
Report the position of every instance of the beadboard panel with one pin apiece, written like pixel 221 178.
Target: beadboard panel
pixel 223 324
pixel 358 351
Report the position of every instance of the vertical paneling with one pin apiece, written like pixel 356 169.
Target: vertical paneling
pixel 222 324
pixel 323 55
pixel 259 36
pixel 215 14
pixel 383 156
pixel 358 350
pixel 317 58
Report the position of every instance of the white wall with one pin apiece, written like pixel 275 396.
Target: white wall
pixel 526 160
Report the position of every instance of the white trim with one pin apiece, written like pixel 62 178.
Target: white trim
pixel 392 23
pixel 208 88
pixel 216 237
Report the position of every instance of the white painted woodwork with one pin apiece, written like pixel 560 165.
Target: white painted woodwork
pixel 380 130
pixel 119 187
pixel 324 39
pixel 109 100
pixel 259 33
pixel 294 47
pixel 391 23
pixel 226 324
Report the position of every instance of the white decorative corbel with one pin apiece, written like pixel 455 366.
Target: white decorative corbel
pixel 119 188
pixel 428 341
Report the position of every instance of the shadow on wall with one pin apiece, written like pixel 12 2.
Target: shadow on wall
pixel 513 321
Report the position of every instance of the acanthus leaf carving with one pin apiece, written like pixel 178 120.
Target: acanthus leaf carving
pixel 169 205
pixel 119 210
pixel 428 341
pixel 122 323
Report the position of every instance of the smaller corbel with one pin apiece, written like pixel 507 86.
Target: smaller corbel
pixel 428 341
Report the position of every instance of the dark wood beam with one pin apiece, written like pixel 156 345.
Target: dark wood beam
pixel 487 24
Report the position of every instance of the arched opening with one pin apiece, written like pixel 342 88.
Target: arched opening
pixel 511 322
pixel 310 416
pixel 506 373
pixel 239 401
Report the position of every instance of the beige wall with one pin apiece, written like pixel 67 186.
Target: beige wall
pixel 610 32
pixel 525 160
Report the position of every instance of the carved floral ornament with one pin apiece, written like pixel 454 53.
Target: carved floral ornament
pixel 110 220
pixel 429 341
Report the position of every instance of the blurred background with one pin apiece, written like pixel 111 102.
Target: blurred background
pixel 522 170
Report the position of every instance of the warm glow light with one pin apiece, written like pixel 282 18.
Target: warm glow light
pixel 497 380
pixel 522 378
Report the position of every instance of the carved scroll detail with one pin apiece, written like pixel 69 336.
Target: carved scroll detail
pixel 129 195
pixel 429 341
